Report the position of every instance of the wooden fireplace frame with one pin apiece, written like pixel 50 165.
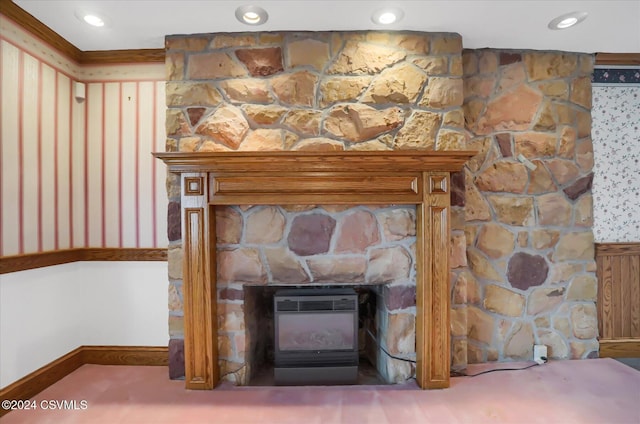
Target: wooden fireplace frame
pixel 316 178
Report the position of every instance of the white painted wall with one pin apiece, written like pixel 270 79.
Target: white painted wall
pixel 47 312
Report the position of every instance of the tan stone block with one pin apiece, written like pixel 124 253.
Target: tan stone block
pixel 172 184
pixel 223 41
pixel 451 140
pixel 308 52
pixel 459 355
pixel 503 301
pixel 583 287
pixel 247 90
pixel 475 354
pixel 558 89
pixel 554 210
pixel 319 144
pixel 369 146
pixel 544 299
pixel 397 223
pixel 584 321
pixel 303 121
pixel 453 118
pixel 483 147
pixel 176 326
pixel 188 93
pixel 171 145
pixel 174 65
pixel 342 89
pixel 359 58
pixel 514 110
pixel 264 114
pixel 358 230
pixel 358 122
pixel 519 344
pixel 563 170
pixel 557 347
pixel 513 210
pixel 242 265
pixel 270 38
pixel 401 333
pixel 262 139
pixel 205 66
pixel 418 132
pixel 225 349
pixel 388 265
pixel 535 145
pixel 487 62
pixel 459 322
pixel 586 62
pixel 228 225
pixel 563 272
pixel 226 125
pixel 432 65
pixel 512 76
pixel 543 66
pixel 443 93
pixel 584 211
pixel 457 218
pixel 542 322
pixel 348 269
pixel 456 66
pixel 445 44
pixel 584 155
pixel 476 207
pixel 472 111
pixel 544 239
pixel 175 298
pixel 190 43
pixel 458 256
pixel 176 123
pixel 212 146
pixel 546 120
pixel 189 144
pixel 264 226
pixel 235 372
pixel 580 349
pixel 495 240
pixel 583 123
pixel 503 176
pixel 285 267
pixel 174 259
pixel 480 325
pixel 575 246
pixel 469 62
pixel 581 92
pixel 416 43
pixel 399 84
pixel 230 316
pixel 563 325
pixel 296 89
pixel 482 267
pixel 523 238
pixel 567 145
pixel 240 344
pixel 479 86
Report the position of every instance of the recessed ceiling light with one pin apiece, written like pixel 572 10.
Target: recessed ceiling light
pixel 94 19
pixel 387 16
pixel 251 15
pixel 568 20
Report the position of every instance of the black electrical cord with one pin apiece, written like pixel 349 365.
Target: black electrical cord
pixel 385 350
pixel 461 374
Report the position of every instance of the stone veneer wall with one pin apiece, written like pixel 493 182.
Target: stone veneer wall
pixel 530 246
pixel 304 91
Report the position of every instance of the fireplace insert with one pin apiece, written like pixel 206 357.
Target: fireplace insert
pixel 316 336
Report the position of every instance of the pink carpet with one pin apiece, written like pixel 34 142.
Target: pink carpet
pixel 587 391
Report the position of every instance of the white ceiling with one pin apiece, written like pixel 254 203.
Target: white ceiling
pixel 612 25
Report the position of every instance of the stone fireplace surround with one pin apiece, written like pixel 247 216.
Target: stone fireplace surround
pixel 299 178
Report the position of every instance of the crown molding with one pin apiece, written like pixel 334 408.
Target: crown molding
pixel 92 57
pixel 618 59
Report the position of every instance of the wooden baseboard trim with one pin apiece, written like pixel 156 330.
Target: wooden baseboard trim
pixel 43 259
pixel 622 348
pixel 620 59
pixel 126 355
pixel 32 384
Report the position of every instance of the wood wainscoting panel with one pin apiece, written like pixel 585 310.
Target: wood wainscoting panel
pixel 618 303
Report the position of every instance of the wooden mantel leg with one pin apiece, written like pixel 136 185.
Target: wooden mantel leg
pixel 200 329
pixel 432 283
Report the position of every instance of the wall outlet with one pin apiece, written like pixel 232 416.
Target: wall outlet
pixel 540 353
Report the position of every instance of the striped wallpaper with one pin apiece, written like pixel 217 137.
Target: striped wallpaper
pixel 79 173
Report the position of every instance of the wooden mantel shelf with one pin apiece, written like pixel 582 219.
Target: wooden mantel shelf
pixel 421 178
pixel 293 161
